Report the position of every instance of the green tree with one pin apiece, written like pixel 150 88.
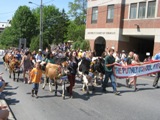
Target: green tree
pixel 81 44
pixel 24 24
pixel 7 38
pixel 78 11
pixel 75 32
pixel 55 24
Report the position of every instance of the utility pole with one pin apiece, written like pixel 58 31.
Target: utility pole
pixel 41 28
pixel 41 24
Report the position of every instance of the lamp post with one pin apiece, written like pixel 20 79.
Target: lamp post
pixel 41 25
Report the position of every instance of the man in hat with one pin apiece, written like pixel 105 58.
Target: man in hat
pixel 39 57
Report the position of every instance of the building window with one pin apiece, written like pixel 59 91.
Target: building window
pixel 151 9
pixel 133 10
pixel 94 15
pixel 110 13
pixel 142 10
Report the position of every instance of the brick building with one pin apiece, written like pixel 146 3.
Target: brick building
pixel 131 25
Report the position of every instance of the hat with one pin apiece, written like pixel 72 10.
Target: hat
pixel 113 47
pixel 147 54
pixel 123 51
pixel 40 50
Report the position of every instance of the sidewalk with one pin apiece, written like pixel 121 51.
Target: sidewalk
pixel 3 102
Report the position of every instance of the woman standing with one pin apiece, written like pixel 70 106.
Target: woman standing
pixel 27 66
pixel 73 65
pixel 135 61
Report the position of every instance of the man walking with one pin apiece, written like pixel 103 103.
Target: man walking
pixel 109 64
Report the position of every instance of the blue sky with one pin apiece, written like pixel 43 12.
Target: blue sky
pixel 8 7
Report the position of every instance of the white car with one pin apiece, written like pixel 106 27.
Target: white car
pixel 2 52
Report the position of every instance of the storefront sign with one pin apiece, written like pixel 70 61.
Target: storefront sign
pixel 101 33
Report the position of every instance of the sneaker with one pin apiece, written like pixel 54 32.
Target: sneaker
pixel 136 89
pixel 117 93
pixel 155 86
pixel 104 90
pixel 32 95
pixel 127 81
pixel 71 96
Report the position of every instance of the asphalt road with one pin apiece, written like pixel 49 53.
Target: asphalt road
pixel 141 105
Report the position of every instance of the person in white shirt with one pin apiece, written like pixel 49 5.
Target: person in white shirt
pixel 39 56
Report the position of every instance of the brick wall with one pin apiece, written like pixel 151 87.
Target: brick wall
pixel 102 15
pixel 156 48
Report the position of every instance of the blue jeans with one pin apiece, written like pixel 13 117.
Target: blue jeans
pixel 112 78
pixel 35 86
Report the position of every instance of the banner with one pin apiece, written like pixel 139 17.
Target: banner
pixel 136 70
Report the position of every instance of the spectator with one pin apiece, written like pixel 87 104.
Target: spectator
pixel 4 113
pixel 39 57
pixel 2 86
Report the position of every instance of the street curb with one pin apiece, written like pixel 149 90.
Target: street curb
pixel 11 116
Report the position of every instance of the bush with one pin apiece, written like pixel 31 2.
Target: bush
pixel 83 45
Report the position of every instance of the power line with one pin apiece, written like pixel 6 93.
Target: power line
pixel 48 2
pixel 7 12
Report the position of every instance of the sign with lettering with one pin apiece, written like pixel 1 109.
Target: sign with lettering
pixel 136 70
pixel 101 33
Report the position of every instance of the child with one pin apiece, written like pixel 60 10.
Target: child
pixel 36 74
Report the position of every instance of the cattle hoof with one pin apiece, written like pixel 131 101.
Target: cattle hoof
pixel 88 93
pixel 9 76
pixel 83 90
pixel 17 80
pixel 43 88
pixel 55 94
pixel 52 84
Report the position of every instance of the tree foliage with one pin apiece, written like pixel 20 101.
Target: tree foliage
pixel 55 25
pixel 75 32
pixel 81 44
pixel 78 10
pixel 24 24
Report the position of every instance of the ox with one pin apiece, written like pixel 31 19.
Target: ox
pixel 97 67
pixel 86 75
pixel 7 58
pixel 14 68
pixel 55 72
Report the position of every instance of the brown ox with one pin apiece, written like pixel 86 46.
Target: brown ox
pixel 14 68
pixel 54 72
pixel 7 58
